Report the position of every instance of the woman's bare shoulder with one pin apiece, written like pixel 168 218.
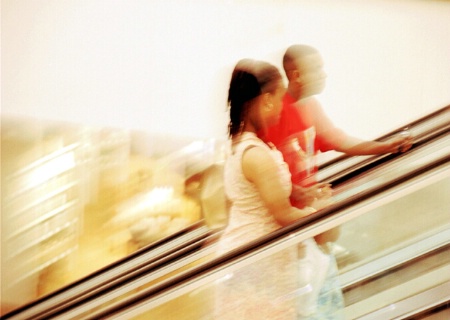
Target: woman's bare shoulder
pixel 257 161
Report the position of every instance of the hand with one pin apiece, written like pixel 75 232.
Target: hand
pixel 324 196
pixel 318 194
pixel 323 190
pixel 399 144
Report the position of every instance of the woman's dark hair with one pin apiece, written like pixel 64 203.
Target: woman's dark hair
pixel 249 79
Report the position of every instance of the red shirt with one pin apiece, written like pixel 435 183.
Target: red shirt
pixel 302 131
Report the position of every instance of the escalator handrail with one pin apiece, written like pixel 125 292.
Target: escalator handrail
pixel 375 161
pixel 387 136
pixel 340 167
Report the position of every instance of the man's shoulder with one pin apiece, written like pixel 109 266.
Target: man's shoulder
pixel 308 106
pixel 288 99
pixel 309 102
pixel 289 105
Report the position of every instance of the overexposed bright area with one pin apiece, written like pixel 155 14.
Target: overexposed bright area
pixel 164 66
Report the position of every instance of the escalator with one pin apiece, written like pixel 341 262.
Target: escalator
pixel 367 193
pixel 399 248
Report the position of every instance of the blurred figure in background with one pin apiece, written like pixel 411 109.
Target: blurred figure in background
pixel 257 181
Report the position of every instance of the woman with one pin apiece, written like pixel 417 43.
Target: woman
pixel 258 184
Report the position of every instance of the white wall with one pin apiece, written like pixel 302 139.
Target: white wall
pixel 164 66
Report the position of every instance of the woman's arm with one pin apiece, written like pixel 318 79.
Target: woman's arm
pixel 260 168
pixel 317 196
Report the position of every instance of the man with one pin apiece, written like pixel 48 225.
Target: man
pixel 304 129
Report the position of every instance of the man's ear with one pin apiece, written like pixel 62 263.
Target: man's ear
pixel 293 75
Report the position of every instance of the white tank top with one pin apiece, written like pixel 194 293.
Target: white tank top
pixel 249 218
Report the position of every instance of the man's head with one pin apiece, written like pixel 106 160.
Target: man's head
pixel 304 70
